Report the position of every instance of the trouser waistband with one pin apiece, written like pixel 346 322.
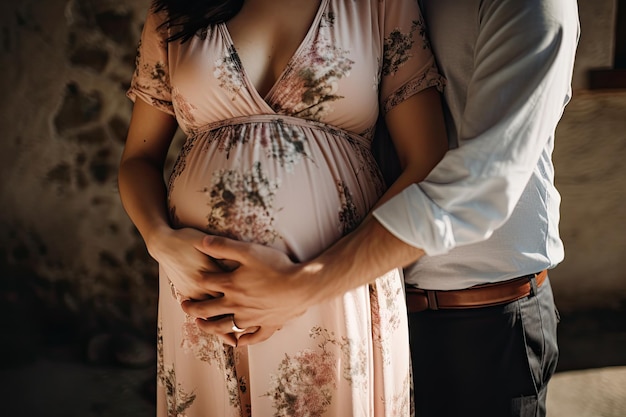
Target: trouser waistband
pixel 474 297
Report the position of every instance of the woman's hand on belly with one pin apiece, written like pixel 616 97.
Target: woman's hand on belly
pixel 179 256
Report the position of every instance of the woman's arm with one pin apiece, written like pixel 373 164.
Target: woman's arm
pixel 417 130
pixel 140 176
pixel 143 194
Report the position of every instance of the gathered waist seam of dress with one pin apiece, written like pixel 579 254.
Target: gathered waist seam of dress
pixel 279 118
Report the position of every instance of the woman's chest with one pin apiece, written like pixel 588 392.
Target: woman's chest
pixel 332 76
pixel 267 34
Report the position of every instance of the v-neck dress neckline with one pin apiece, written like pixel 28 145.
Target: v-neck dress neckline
pixel 265 100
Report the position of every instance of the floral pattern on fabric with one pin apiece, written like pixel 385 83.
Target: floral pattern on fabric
pixel 202 33
pixel 397 49
pixel 390 293
pixel 328 20
pixel 424 81
pixel 241 205
pixel 311 79
pixel 184 111
pixel 181 162
pixel 401 401
pixel 421 26
pixel 228 72
pixel 177 399
pixel 210 349
pixel 152 76
pixel 304 382
pixel 349 217
pixel 285 143
pixel 385 315
pixel 205 347
pixel 353 354
pixel 288 145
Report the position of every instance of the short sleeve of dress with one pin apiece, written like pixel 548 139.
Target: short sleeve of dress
pixel 151 80
pixel 408 65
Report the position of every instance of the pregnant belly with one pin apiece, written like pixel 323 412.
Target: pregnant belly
pixel 298 187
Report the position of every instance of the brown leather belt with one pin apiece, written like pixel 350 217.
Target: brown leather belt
pixel 479 296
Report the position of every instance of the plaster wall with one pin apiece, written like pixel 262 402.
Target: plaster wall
pixel 591 174
pixel 65 238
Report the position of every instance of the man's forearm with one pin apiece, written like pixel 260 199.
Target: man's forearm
pixel 357 259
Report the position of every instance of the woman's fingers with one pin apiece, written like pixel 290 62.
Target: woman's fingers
pixel 211 309
pixel 221 327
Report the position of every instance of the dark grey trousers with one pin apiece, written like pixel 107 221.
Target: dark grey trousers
pixel 485 362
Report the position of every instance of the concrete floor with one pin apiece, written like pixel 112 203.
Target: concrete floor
pixel 589 393
pixel 590 382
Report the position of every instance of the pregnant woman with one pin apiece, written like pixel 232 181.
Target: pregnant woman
pixel 279 100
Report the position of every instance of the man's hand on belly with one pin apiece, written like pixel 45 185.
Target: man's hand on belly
pixel 260 295
pixel 268 289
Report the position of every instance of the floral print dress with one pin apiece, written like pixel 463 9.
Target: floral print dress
pixel 292 170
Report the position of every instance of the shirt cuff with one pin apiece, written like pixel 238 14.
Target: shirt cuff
pixel 416 220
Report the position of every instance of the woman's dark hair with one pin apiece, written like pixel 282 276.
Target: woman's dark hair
pixel 187 17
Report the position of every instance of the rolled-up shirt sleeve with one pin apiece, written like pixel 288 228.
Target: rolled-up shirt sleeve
pixel 520 85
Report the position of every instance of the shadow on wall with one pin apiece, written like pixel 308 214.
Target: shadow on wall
pixel 590 339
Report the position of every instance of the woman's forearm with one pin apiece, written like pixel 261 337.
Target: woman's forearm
pixel 143 194
pixel 140 176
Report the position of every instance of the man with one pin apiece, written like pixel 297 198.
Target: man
pixel 508 66
pixel 487 214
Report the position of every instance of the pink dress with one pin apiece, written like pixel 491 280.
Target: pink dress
pixel 292 170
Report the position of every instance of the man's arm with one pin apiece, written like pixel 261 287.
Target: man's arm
pixel 524 57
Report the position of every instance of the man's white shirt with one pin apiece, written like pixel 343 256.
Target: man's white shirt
pixel 489 211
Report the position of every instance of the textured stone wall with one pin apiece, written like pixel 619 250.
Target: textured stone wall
pixel 66 245
pixel 68 251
